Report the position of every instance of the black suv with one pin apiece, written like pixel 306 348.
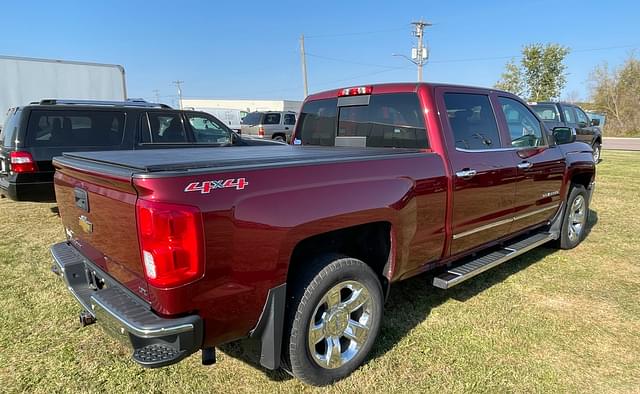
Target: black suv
pixel 34 134
pixel 570 115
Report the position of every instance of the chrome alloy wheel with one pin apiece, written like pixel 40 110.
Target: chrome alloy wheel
pixel 596 153
pixel 340 324
pixel 577 218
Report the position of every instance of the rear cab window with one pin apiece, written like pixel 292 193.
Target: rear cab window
pixel 61 128
pixel 392 120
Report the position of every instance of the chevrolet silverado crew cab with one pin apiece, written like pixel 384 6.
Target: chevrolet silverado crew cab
pixel 296 246
pixel 35 133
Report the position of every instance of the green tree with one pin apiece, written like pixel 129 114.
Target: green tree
pixel 617 93
pixel 511 79
pixel 541 74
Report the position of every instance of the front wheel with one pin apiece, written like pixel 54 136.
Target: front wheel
pixel 575 218
pixel 334 317
pixel 597 149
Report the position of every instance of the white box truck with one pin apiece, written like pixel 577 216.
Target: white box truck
pixel 24 80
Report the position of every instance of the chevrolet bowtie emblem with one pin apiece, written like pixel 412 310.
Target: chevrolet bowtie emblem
pixel 85 224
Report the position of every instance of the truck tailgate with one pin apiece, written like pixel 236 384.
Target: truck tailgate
pixel 99 216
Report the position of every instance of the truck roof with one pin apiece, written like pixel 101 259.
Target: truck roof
pixel 396 87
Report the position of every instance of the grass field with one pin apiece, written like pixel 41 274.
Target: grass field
pixel 549 321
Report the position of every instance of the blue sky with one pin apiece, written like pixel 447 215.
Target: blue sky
pixel 246 49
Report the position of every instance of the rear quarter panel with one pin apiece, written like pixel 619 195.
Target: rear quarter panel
pixel 251 233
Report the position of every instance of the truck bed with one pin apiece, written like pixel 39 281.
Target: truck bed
pixel 227 158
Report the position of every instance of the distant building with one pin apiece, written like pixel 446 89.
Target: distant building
pixel 245 105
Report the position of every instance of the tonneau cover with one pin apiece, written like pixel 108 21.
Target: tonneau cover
pixel 156 160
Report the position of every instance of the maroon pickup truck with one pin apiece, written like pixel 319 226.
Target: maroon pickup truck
pixel 296 246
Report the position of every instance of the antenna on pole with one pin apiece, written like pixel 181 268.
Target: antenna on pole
pixel 156 92
pixel 420 53
pixel 178 83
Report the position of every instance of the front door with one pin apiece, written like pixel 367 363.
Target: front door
pixel 484 171
pixel 540 166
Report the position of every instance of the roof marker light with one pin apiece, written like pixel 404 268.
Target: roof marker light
pixel 357 91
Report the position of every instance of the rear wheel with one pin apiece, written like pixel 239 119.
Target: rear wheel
pixel 334 317
pixel 575 218
pixel 279 138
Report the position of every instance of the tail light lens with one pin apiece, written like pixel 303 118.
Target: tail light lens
pixel 261 131
pixel 355 91
pixel 22 162
pixel 171 243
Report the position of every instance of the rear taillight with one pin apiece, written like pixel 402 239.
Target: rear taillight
pixel 171 243
pixel 261 131
pixel 22 162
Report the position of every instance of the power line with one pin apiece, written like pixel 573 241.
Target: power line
pixel 348 61
pixel 360 33
pixel 478 59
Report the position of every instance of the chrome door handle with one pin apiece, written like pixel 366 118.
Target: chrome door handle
pixel 524 165
pixel 466 173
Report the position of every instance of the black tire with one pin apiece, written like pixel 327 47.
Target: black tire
pixel 597 151
pixel 279 137
pixel 308 290
pixel 567 240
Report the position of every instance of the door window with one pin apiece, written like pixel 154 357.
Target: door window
pixel 75 128
pixel 569 115
pixel 271 118
pixel 583 119
pixel 289 119
pixel 162 128
pixel 206 131
pixel 251 119
pixel 472 121
pixel 524 127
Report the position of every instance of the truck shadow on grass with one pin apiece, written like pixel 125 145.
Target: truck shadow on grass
pixel 410 303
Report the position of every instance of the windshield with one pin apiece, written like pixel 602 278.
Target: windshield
pixel 546 112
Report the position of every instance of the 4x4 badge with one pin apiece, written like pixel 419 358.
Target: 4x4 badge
pixel 205 187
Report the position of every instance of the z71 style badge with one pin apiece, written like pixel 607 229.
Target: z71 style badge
pixel 205 187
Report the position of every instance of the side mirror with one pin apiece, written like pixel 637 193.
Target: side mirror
pixel 564 135
pixel 595 122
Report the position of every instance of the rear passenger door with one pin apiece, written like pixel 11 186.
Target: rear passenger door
pixel 483 166
pixel 540 166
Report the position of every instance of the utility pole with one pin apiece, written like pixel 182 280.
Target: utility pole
pixel 156 92
pixel 304 66
pixel 178 83
pixel 419 54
